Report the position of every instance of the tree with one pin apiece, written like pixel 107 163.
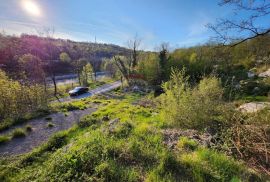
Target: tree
pixel 134 45
pixel 149 67
pixel 109 66
pixel 123 66
pixel 78 66
pixel 163 57
pixel 239 30
pixel 87 73
pixel 64 57
pixel 49 33
pixel 31 69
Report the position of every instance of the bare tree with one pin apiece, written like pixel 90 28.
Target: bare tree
pixel 48 33
pixel 237 31
pixel 134 45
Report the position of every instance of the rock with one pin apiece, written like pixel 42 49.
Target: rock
pixel 171 137
pixel 265 74
pixel 253 107
pixel 113 123
pixel 250 74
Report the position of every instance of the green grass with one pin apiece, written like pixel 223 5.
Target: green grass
pixel 216 166
pixel 254 99
pixel 71 106
pixel 130 149
pixel 4 139
pixel 50 125
pixel 19 132
pixel 8 122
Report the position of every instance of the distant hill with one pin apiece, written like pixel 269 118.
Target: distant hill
pixel 12 48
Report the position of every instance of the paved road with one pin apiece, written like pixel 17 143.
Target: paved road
pixel 99 90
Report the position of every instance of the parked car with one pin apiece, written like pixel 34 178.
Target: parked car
pixel 78 91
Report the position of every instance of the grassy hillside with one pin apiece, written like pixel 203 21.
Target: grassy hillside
pixel 123 141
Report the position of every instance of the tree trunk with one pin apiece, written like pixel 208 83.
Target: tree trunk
pixel 95 73
pixel 55 87
pixel 79 77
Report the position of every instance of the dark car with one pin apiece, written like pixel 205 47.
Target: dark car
pixel 78 90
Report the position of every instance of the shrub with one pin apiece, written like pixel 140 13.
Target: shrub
pixel 18 133
pixel 192 107
pixel 4 139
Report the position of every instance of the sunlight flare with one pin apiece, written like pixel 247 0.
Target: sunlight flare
pixel 31 7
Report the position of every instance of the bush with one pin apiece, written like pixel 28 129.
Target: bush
pixel 192 107
pixel 18 133
pixel 17 100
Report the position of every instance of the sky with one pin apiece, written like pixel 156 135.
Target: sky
pixel 178 22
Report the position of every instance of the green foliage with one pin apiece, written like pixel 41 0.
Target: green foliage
pixel 216 166
pixel 258 87
pixel 56 141
pixel 131 149
pixel 187 144
pixel 86 74
pixel 17 100
pixel 64 57
pixel 192 107
pixel 17 133
pixel 149 67
pixel 71 106
pixel 4 139
pixel 87 121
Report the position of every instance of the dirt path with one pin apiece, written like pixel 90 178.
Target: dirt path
pixel 41 132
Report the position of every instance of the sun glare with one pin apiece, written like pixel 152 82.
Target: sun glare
pixel 31 7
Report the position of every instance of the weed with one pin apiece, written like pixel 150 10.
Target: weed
pixel 18 133
pixel 87 121
pixel 50 125
pixel 4 139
